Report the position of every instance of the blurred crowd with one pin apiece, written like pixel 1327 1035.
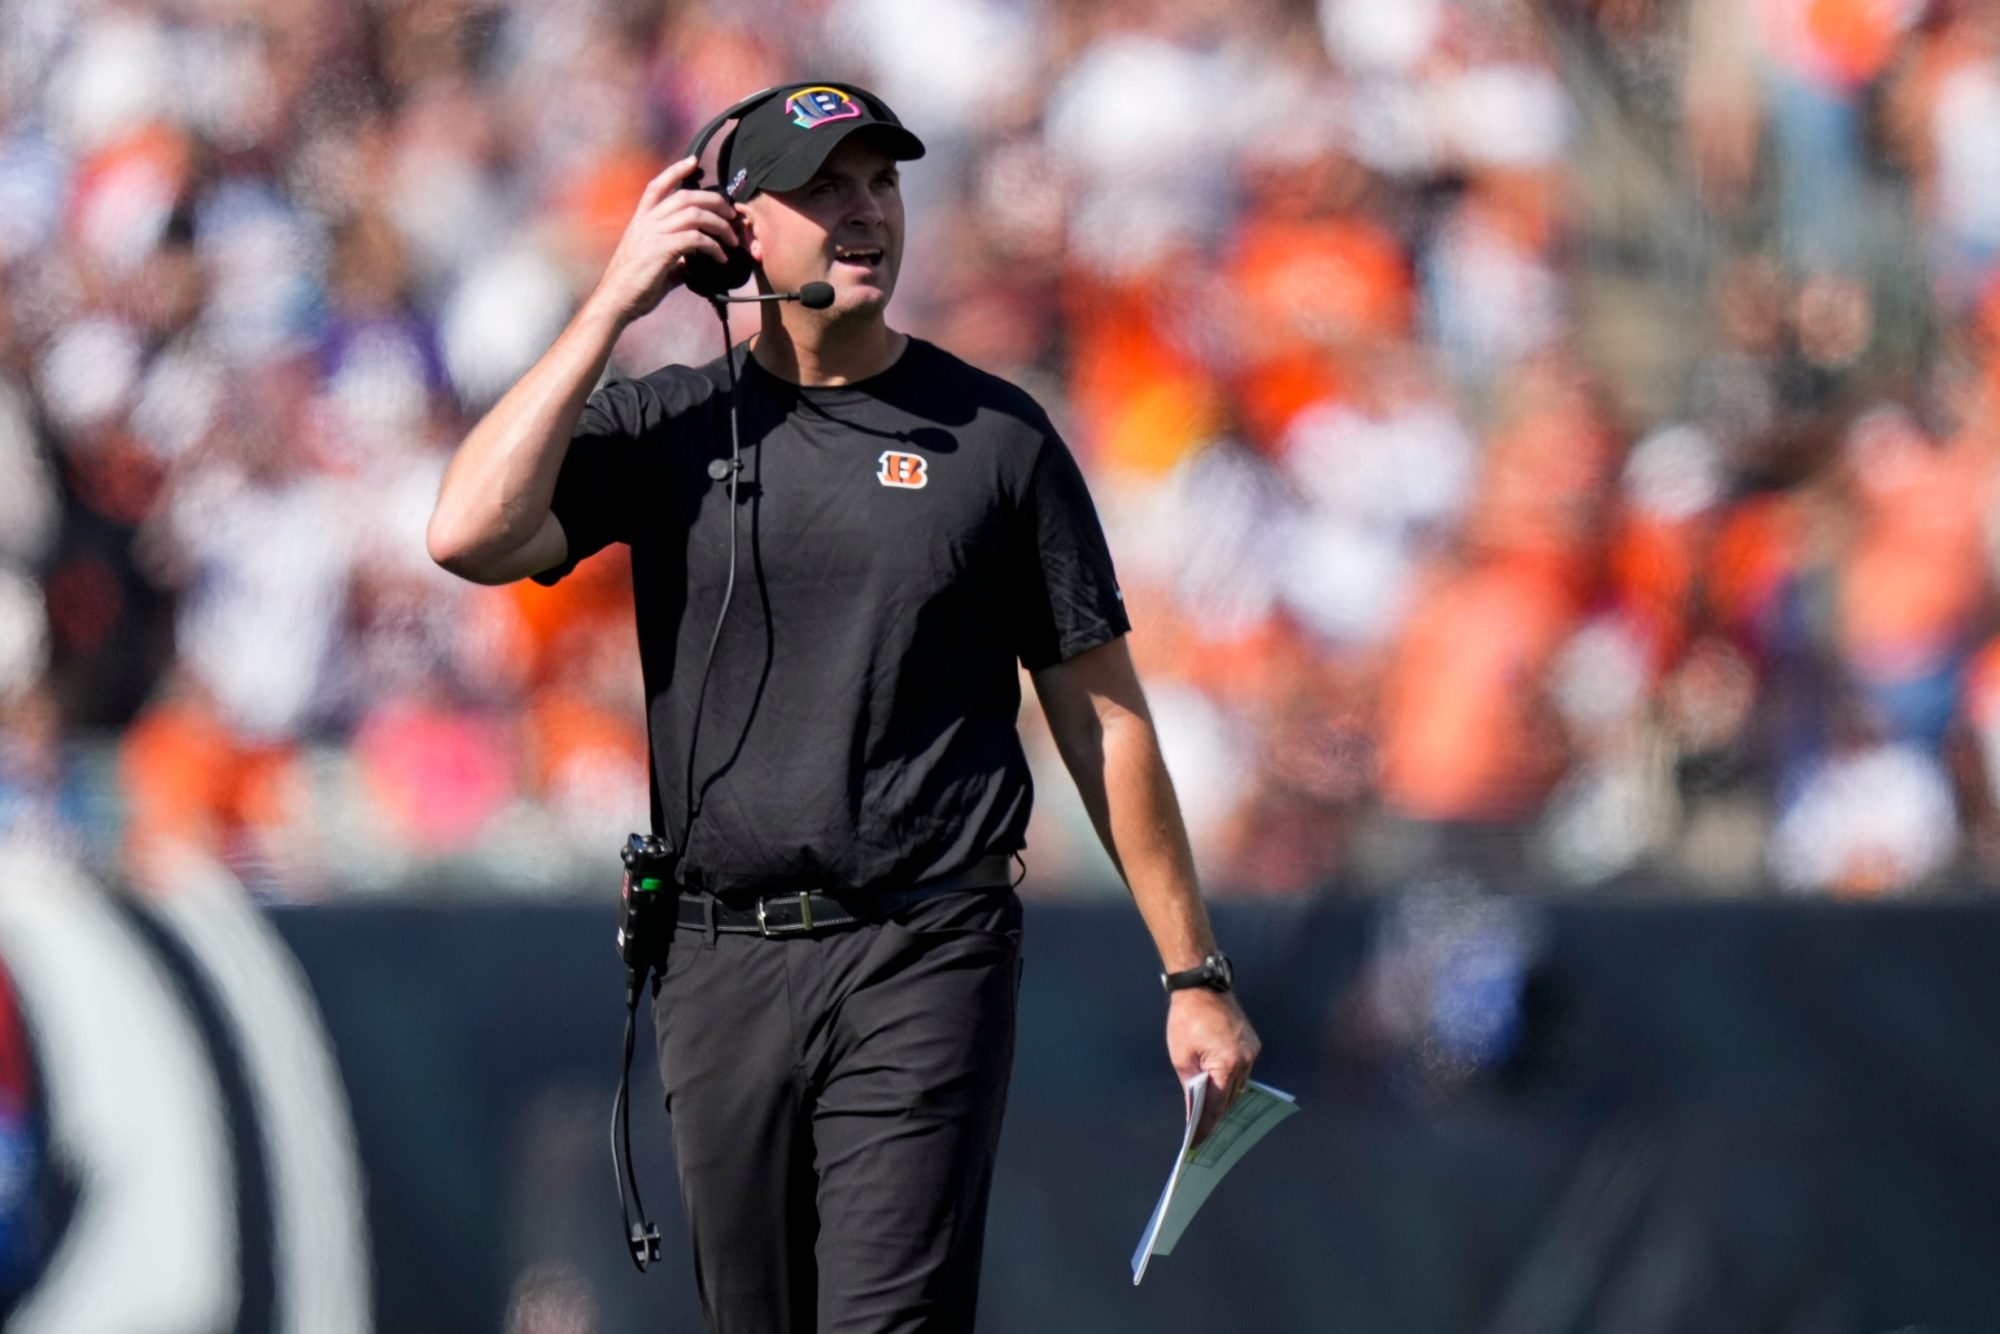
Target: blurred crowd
pixel 1549 443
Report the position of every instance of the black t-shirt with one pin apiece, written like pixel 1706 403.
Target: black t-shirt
pixel 900 543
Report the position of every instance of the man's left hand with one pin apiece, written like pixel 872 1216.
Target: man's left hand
pixel 1208 1031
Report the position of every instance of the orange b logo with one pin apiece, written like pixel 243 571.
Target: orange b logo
pixel 905 470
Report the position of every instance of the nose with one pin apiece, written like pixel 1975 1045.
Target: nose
pixel 864 208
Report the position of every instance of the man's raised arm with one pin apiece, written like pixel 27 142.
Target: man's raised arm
pixel 1098 715
pixel 492 522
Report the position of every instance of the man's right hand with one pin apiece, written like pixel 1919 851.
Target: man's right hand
pixel 669 225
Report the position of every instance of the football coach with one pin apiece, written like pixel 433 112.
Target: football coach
pixel 845 543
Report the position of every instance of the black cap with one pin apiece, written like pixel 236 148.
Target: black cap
pixel 780 142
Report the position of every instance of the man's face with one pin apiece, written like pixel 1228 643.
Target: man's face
pixel 844 227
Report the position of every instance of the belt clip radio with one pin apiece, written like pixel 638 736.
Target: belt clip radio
pixel 648 903
pixel 649 899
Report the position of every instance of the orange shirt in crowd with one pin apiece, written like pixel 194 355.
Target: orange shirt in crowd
pixel 1542 494
pixel 191 784
pixel 598 202
pixel 1915 577
pixel 1653 564
pixel 569 738
pixel 1465 732
pixel 1755 553
pixel 1844 44
pixel 1307 288
pixel 536 622
pixel 1143 400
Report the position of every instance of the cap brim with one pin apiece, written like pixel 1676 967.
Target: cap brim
pixel 797 167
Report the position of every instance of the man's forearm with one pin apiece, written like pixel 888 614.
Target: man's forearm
pixel 498 486
pixel 492 521
pixel 1139 820
pixel 1098 716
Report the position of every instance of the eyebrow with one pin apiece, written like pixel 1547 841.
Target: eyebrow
pixel 890 168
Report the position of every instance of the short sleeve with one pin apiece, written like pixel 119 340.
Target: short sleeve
pixel 594 489
pixel 1066 596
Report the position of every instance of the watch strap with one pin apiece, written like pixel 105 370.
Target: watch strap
pixel 1214 973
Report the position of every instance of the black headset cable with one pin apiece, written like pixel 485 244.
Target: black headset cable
pixel 729 585
pixel 642 1239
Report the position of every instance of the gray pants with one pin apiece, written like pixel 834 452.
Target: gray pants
pixel 836 1104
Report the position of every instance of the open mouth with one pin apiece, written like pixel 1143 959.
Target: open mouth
pixel 866 257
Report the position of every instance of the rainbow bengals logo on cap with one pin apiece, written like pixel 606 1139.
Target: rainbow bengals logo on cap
pixel 813 107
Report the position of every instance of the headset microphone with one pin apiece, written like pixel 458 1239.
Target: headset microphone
pixel 813 296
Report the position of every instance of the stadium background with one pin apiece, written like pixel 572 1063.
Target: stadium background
pixel 1549 451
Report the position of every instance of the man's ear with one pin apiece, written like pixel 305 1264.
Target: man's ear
pixel 750 241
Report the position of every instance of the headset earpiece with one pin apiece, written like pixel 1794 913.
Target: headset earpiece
pixel 700 274
pixel 714 278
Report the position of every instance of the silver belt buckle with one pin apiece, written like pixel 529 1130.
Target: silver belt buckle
pixel 805 913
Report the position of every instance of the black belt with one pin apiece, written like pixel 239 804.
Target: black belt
pixel 801 912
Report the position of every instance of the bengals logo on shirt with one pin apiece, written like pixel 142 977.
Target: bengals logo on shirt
pixel 898 469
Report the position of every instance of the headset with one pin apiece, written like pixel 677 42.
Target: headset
pixel 702 274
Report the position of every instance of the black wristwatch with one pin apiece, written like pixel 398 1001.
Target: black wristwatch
pixel 1215 972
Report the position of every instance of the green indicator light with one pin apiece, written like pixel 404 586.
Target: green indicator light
pixel 649 883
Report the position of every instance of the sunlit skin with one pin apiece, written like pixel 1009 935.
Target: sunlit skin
pixel 821 232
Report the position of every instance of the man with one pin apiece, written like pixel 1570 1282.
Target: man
pixel 844 789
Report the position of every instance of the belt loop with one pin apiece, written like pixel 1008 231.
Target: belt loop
pixel 708 917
